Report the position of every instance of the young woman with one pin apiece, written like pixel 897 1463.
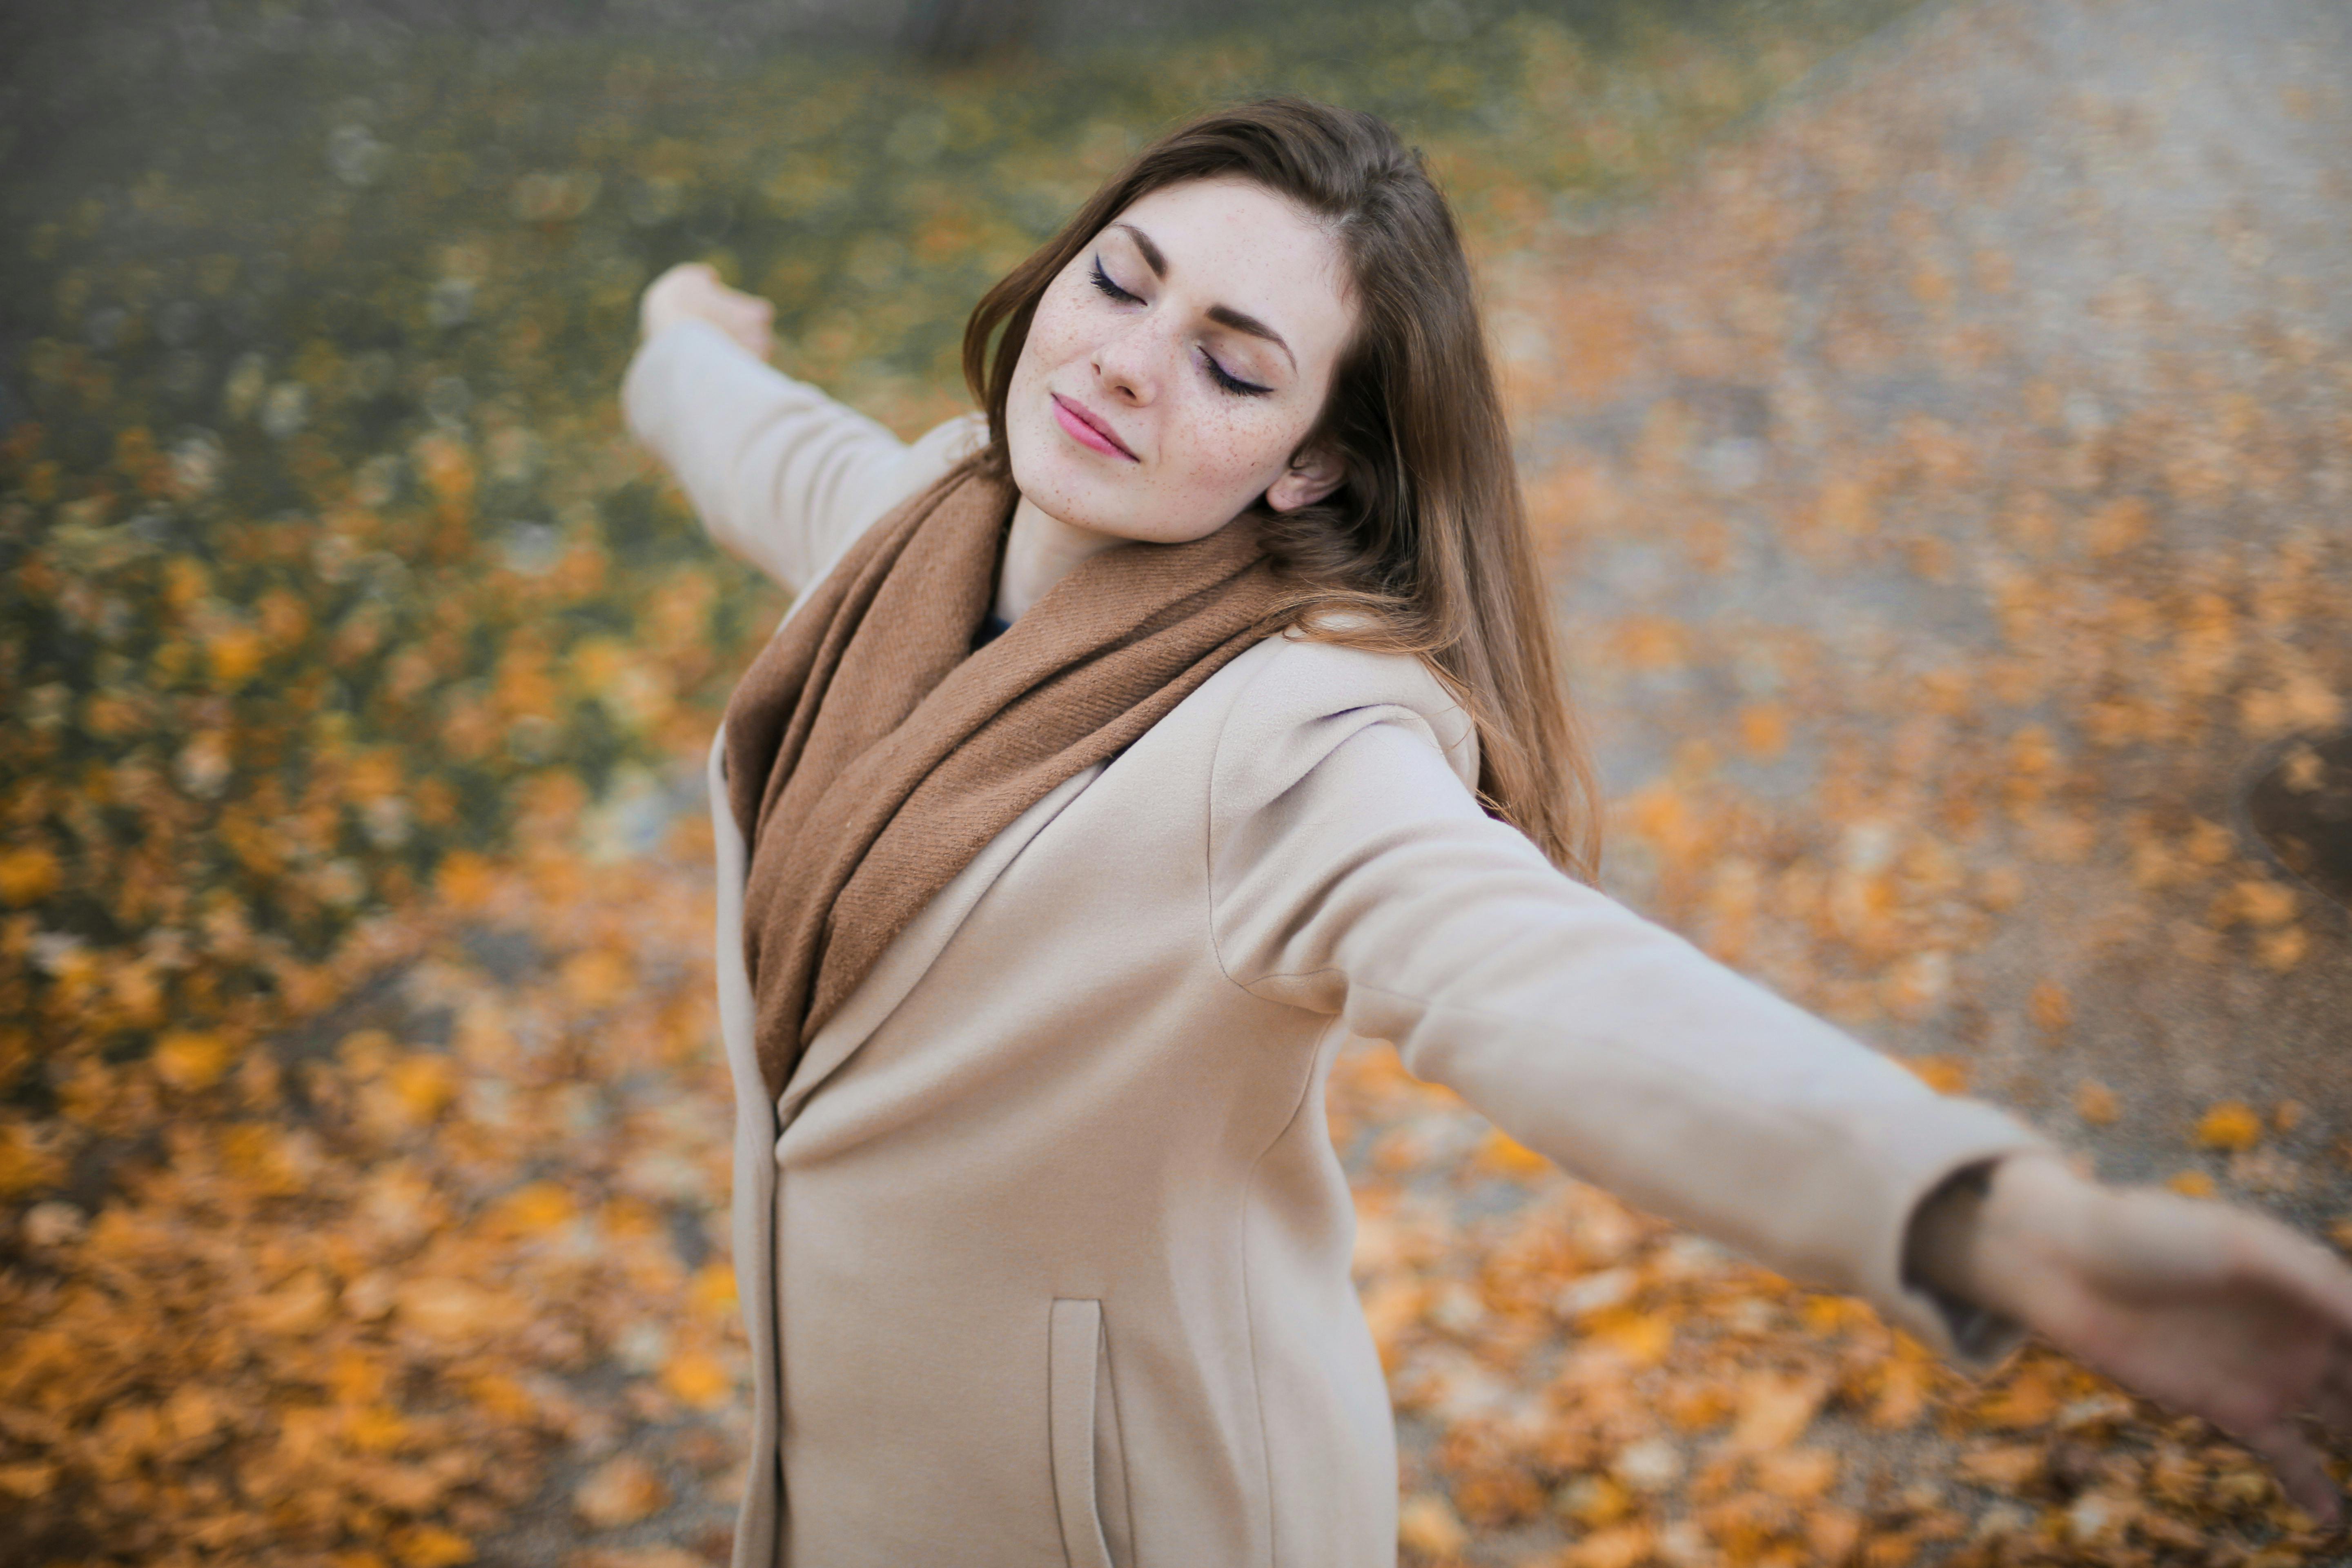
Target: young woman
pixel 1124 752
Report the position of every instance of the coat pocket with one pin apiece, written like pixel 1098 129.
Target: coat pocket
pixel 1089 1462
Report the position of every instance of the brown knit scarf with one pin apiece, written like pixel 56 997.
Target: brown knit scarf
pixel 871 753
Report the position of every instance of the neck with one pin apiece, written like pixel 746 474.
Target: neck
pixel 1040 550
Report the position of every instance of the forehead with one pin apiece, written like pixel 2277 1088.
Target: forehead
pixel 1233 242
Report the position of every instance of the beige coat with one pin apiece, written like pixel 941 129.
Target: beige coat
pixel 1044 1250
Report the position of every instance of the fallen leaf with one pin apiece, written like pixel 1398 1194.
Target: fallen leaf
pixel 429 1546
pixel 1427 1524
pixel 2052 1010
pixel 1798 1475
pixel 2095 1104
pixel 193 1059
pixel 1774 1410
pixel 2230 1125
pixel 1620 1546
pixel 697 1380
pixel 620 1491
pixel 2009 1468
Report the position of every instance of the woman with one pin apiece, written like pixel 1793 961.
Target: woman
pixel 1121 756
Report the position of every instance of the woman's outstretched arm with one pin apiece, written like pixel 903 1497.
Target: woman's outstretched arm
pixel 782 475
pixel 1354 872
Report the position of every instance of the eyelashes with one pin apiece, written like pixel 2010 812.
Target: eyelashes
pixel 1103 282
pixel 1226 380
pixel 1230 381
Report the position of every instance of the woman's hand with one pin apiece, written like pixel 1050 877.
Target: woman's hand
pixel 691 291
pixel 2212 1310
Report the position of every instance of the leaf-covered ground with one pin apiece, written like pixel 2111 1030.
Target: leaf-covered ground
pixel 1945 481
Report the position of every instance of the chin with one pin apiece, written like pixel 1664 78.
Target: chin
pixel 1067 485
pixel 1072 488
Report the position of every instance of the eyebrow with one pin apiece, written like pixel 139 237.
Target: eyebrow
pixel 1223 315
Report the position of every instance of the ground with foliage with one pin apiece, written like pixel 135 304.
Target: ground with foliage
pixel 1943 473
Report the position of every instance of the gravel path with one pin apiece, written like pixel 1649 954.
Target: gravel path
pixel 1966 399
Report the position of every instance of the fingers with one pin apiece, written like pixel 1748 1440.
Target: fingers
pixel 2333 1403
pixel 747 320
pixel 692 289
pixel 670 298
pixel 2317 1280
pixel 2300 1470
pixel 699 272
pixel 2317 1276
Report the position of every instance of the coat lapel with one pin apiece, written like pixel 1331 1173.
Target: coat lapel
pixel 911 953
pixel 901 967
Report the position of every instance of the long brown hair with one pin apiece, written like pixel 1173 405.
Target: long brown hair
pixel 1428 531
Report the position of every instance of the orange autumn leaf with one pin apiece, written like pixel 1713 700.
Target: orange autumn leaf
pixel 451 1309
pixel 1774 1410
pixel 294 1307
pixel 1764 729
pixel 28 1481
pixel 2280 950
pixel 27 876
pixel 1903 1394
pixel 1427 1524
pixel 620 1491
pixel 446 468
pixel 2008 1466
pixel 193 1059
pixel 429 1546
pixel 713 1292
pixel 2231 1126
pixel 1505 1155
pixel 376 1429
pixel 2030 1398
pixel 698 1380
pixel 2095 1104
pixel 1620 1546
pixel 2052 1010
pixel 533 1209
pixel 1945 1075
pixel 464 880
pixel 597 978
pixel 1595 1502
pixel 503 1398
pixel 421 1086
pixel 1644 1338
pixel 234 653
pixel 1798 1475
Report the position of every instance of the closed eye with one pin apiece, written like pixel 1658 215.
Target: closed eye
pixel 1103 282
pixel 1229 380
pixel 1226 380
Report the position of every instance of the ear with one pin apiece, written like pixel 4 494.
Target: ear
pixel 1312 475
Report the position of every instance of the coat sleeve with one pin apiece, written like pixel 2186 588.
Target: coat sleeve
pixel 1354 872
pixel 781 474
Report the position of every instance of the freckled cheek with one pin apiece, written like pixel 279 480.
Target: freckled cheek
pixel 1232 453
pixel 1057 334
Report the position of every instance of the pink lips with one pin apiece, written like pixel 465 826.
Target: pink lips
pixel 1085 430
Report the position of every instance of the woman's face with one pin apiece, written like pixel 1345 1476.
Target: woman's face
pixel 1175 366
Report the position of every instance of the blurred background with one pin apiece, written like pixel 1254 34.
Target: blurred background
pixel 1939 421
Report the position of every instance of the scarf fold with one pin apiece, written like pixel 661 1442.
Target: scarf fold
pixel 871 752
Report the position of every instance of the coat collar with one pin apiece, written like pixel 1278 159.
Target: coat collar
pixel 901 967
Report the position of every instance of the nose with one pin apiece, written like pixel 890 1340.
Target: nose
pixel 1127 364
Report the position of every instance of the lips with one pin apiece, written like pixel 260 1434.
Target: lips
pixel 1089 431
